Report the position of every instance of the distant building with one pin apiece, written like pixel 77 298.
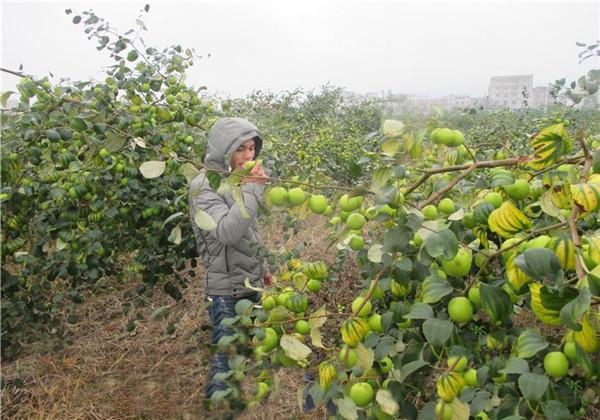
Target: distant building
pixel 541 97
pixel 510 91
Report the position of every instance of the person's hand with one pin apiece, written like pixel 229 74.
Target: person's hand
pixel 268 280
pixel 259 175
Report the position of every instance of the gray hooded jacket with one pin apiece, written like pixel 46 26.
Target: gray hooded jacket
pixel 230 251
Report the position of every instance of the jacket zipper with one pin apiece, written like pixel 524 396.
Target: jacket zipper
pixel 226 260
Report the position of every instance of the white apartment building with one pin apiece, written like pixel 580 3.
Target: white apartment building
pixel 507 91
pixel 541 97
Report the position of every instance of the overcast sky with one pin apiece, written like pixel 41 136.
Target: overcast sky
pixel 432 48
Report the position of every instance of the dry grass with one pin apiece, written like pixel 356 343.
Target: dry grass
pixel 109 373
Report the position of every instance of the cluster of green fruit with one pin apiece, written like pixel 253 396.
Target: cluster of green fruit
pixel 284 310
pixel 280 197
pixel 447 137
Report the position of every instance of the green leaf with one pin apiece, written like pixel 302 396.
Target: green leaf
pixel 375 253
pixel 548 206
pixel 392 128
pixel 533 386
pixel 204 221
pixel 236 193
pixel 160 312
pixel 515 365
pixel 114 141
pixel 78 124
pixel 460 410
pixel 529 343
pixel 442 244
pixel 409 368
pixel 152 168
pixel 294 348
pixel 437 331
pixel 390 147
pixel 5 96
pixel 434 289
pixel 496 302
pixel 419 311
pixel 387 402
pixel 380 177
pixel 132 55
pixel 347 408
pixel 540 264
pixel 243 307
pixel 190 172
pixel 175 235
pixel 556 410
pixel 171 218
pixel 481 401
pixel 583 359
pixel 364 357
pixel 574 310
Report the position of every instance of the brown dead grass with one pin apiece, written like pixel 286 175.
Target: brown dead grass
pixel 108 373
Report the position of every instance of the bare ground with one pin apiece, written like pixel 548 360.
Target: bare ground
pixel 109 373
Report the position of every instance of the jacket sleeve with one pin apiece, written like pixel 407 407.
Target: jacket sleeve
pixel 231 225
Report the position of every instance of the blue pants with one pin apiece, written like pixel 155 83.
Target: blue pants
pixel 220 308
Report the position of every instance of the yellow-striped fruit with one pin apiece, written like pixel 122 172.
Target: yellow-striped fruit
pixel 315 270
pixel 587 338
pixel 515 277
pixel 587 196
pixel 354 331
pixel 544 314
pixel 564 249
pixel 449 385
pixel 508 220
pixel 327 374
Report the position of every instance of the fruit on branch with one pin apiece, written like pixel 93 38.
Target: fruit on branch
pixel 357 242
pixel 471 377
pixel 446 206
pixel 362 394
pixel 349 204
pixel 507 220
pixel 443 410
pixel 296 196
pixel 327 373
pixel 474 295
pixel 366 309
pixel 278 196
pixel 460 309
pixel 315 270
pixel 271 339
pixel 430 211
pixel 458 362
pixel 564 249
pixel 460 265
pixel 556 364
pixel 317 203
pixel 449 385
pixel 313 285
pixel 354 331
pixel 545 314
pixel 375 323
pixel 355 221
pixel 494 198
pixel 519 190
pixel 587 338
pixel 351 358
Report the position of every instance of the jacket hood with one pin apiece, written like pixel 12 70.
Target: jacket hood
pixel 225 136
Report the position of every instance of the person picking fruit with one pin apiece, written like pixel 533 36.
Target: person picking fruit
pixel 229 250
